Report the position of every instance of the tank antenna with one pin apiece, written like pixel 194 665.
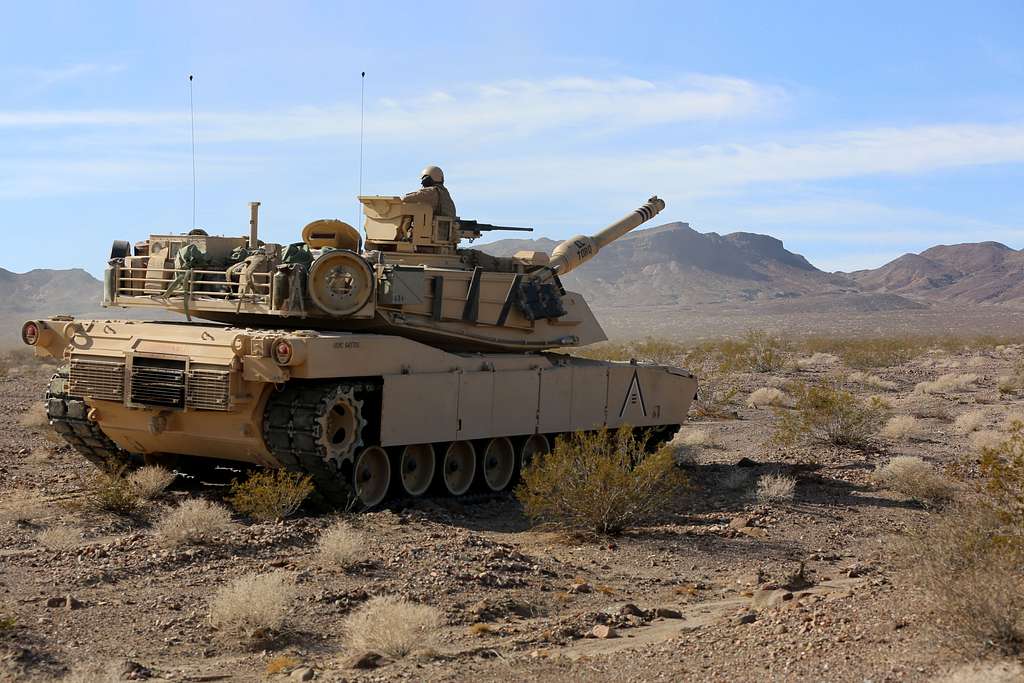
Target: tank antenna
pixel 362 93
pixel 192 113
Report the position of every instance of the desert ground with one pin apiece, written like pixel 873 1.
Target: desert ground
pixel 778 562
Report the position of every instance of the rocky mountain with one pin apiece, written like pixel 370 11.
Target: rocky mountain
pixel 982 272
pixel 49 291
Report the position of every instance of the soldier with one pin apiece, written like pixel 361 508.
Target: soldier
pixel 434 192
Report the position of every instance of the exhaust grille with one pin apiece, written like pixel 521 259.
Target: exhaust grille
pixel 158 382
pixel 102 380
pixel 208 390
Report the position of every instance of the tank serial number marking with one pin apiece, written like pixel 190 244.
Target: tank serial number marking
pixel 346 345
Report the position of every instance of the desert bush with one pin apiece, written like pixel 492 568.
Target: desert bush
pixel 194 521
pixel 947 384
pixel 863 354
pixel 1002 472
pixel 652 350
pixel 692 437
pixel 816 360
pixel 915 478
pixel 270 494
pixel 391 625
pixel 760 352
pixel 254 604
pixel 775 488
pixel 150 481
pixel 902 428
pixel 967 563
pixel 59 538
pixel 873 381
pixel 986 440
pixel 109 491
pixel 1011 418
pixel 769 397
pixel 715 390
pixel 825 413
pixel 599 481
pixel 22 505
pixel 342 545
pixel 968 422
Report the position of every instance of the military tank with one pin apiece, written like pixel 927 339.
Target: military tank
pixel 399 364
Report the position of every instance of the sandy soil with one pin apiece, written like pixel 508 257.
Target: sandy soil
pixel 714 583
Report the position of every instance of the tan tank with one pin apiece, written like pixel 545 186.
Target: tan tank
pixel 401 364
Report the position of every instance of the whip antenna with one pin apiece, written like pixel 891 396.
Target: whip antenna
pixel 192 113
pixel 362 93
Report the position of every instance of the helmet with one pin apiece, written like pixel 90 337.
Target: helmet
pixel 434 173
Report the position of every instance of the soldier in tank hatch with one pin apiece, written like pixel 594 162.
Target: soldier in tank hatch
pixel 434 192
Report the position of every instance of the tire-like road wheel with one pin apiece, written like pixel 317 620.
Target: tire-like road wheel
pixel 416 466
pixel 458 467
pixel 371 476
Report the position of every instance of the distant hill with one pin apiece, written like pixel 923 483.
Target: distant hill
pixel 49 291
pixel 973 273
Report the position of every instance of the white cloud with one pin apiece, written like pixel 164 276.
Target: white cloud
pixel 40 78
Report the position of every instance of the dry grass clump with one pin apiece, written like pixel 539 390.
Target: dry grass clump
pixel 109 491
pixel 270 494
pixel 59 538
pixel 150 482
pixel 342 545
pixel 967 564
pixel 600 482
pixel 391 626
pixel 769 397
pixel 195 521
pixel 817 360
pixel 873 381
pixel 254 604
pixel 968 422
pixel 948 384
pixel 825 413
pixel 775 488
pixel 760 352
pixel 1011 419
pixel 715 391
pixel 915 478
pixel 986 439
pixel 34 417
pixel 22 505
pixel 903 428
pixel 691 438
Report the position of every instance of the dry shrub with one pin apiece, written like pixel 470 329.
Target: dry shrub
pixel 35 417
pixel 195 521
pixel 868 353
pixel 967 563
pixel 915 478
pixel 986 439
pixel 150 481
pixel 1010 419
pixel 715 391
pixel 769 397
pixel 760 352
pixel 825 413
pixel 391 626
pixel 599 481
pixel 20 505
pixel 968 422
pixel 775 488
pixel 270 494
pixel 691 438
pixel 109 491
pixel 1002 471
pixel 254 604
pixel 947 384
pixel 342 545
pixel 735 479
pixel 873 381
pixel 59 538
pixel 817 360
pixel 903 428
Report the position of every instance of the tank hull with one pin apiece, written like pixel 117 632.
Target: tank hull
pixel 232 393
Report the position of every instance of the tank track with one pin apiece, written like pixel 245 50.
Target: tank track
pixel 291 431
pixel 69 417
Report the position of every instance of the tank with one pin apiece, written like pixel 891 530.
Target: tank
pixel 397 365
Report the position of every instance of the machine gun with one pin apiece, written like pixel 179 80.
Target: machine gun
pixel 471 230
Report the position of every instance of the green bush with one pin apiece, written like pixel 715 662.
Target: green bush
pixel 599 482
pixel 826 413
pixel 109 491
pixel 270 494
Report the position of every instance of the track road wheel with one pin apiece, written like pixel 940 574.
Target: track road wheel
pixel 371 475
pixel 533 447
pixel 458 467
pixel 499 464
pixel 416 469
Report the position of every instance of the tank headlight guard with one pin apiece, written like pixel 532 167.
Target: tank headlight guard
pixel 283 352
pixel 30 333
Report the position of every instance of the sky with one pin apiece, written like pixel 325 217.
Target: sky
pixel 853 131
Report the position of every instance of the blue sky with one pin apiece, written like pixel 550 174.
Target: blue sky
pixel 855 132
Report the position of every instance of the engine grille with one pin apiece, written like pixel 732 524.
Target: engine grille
pixel 158 382
pixel 96 378
pixel 208 390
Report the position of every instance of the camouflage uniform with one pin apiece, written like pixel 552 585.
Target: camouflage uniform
pixel 437 196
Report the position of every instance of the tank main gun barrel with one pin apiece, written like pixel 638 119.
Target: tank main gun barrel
pixel 576 251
